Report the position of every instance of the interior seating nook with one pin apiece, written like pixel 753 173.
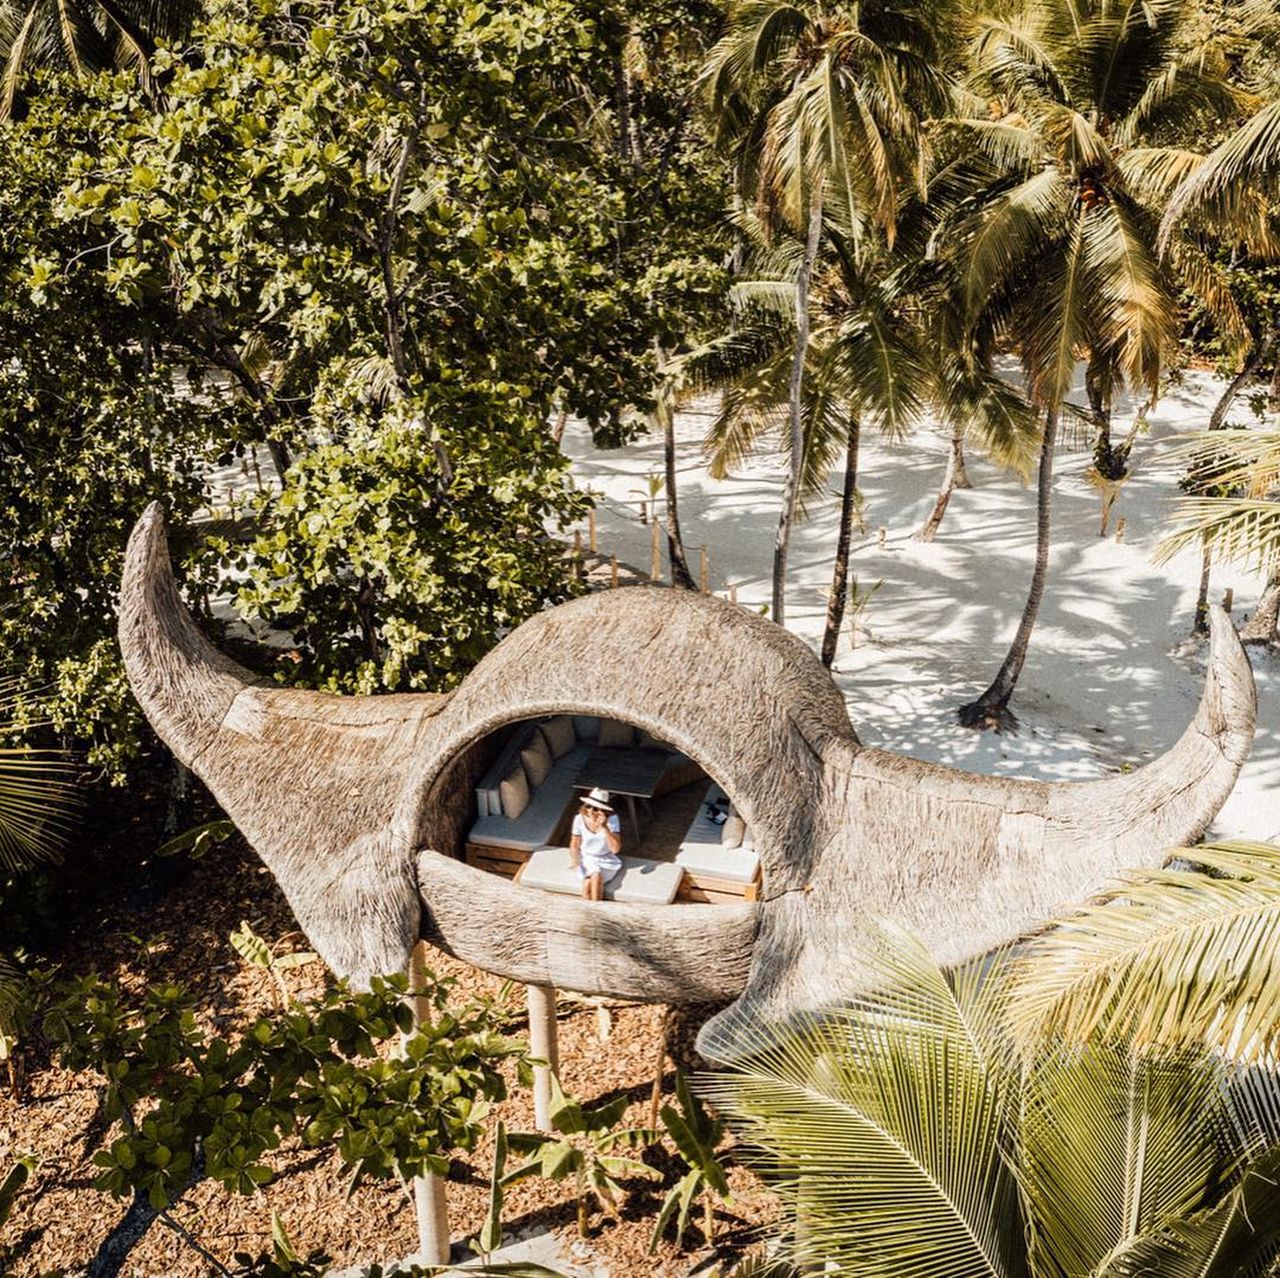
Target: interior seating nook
pixel 681 838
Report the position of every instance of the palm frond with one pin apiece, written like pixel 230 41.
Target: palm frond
pixel 1237 1237
pixel 1166 958
pixel 1241 530
pixel 1003 238
pixel 885 1121
pixel 1249 157
pixel 1113 1144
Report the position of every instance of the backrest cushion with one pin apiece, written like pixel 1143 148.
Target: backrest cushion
pixel 613 733
pixel 586 726
pixel 536 758
pixel 559 735
pixel 515 793
pixel 732 830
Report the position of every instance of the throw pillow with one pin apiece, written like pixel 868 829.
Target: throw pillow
pixel 536 759
pixel 731 832
pixel 559 735
pixel 613 733
pixel 515 794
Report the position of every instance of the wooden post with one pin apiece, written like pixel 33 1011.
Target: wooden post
pixel 1228 598
pixel 1120 528
pixel 591 530
pixel 644 512
pixel 706 576
pixel 655 1096
pixel 733 594
pixel 655 553
pixel 543 1042
pixel 430 1204
pixel 613 572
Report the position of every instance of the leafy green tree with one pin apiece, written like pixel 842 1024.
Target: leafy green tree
pixel 184 1104
pixel 97 417
pixel 1073 155
pixel 387 248
pixel 907 1135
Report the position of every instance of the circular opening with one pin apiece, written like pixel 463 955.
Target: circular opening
pixel 515 800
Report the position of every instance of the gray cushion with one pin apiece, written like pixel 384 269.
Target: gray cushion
pixel 586 727
pixel 640 881
pixel 559 735
pixel 736 865
pixel 537 823
pixel 500 769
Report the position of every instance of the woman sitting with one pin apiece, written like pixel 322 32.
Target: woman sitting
pixel 595 843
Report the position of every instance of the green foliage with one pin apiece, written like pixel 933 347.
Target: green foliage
pixel 97 417
pixel 192 1104
pixel 12 1184
pixel 257 951
pixel 386 247
pixel 585 1150
pixel 199 840
pixel 696 1136
pixel 909 1135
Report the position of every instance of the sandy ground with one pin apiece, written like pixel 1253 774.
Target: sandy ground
pixel 1113 676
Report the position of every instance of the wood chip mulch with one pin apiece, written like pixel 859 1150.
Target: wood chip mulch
pixel 60 1219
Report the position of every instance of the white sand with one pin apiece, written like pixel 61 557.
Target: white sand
pixel 1112 678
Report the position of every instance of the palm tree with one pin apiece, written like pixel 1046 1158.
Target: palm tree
pixel 874 360
pixel 1059 244
pixel 83 36
pixel 1241 523
pixel 821 109
pixel 908 1135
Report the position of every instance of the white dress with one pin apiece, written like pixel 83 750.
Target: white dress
pixel 594 856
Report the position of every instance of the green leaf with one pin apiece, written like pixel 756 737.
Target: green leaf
pixel 15 1179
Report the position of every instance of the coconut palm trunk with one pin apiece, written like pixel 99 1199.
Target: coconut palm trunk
pixel 840 572
pixel 1263 625
pixel 680 574
pixel 1218 421
pixel 791 489
pixel 956 477
pixel 991 710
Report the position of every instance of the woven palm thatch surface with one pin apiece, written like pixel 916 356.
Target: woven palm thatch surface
pixel 358 805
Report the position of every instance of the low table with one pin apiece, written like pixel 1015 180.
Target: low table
pixel 633 773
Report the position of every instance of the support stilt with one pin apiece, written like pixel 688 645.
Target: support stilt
pixel 430 1204
pixel 544 1043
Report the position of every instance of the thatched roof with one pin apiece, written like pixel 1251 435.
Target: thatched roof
pixel 351 801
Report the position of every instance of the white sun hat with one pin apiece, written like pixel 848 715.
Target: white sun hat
pixel 598 798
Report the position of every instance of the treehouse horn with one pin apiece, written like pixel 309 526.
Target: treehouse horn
pixel 311 780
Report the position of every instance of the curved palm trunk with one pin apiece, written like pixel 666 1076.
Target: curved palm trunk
pixel 1262 626
pixel 840 572
pixel 956 477
pixel 791 489
pixel 991 710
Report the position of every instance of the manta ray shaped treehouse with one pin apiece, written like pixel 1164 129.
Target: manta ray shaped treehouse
pixel 357 805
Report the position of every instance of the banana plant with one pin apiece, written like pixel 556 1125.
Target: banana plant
pixel 586 1149
pixel 697 1136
